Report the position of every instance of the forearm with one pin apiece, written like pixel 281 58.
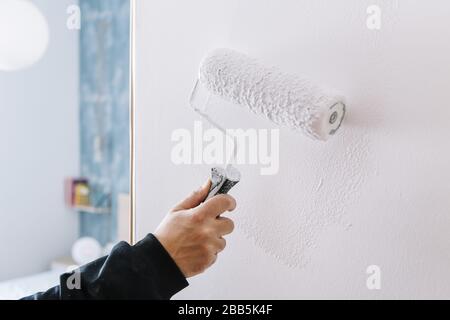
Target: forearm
pixel 143 271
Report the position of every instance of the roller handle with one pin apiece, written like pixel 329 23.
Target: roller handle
pixel 223 180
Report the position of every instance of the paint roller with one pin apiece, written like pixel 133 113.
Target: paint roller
pixel 286 100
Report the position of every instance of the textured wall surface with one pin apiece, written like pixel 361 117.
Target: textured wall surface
pixel 104 116
pixel 376 194
pixel 39 140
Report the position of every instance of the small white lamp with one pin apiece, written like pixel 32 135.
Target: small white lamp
pixel 24 34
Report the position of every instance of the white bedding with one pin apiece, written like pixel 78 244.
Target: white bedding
pixel 19 288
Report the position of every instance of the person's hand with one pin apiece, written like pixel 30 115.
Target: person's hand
pixel 192 233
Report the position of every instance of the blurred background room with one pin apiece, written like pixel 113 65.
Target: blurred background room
pixel 64 137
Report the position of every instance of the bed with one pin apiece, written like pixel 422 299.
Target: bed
pixel 22 287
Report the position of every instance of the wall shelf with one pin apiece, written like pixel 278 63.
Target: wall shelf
pixel 93 210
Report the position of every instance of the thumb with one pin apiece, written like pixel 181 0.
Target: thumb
pixel 195 199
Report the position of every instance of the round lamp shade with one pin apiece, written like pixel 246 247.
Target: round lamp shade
pixel 24 34
pixel 86 250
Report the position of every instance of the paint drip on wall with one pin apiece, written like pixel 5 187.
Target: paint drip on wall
pixel 328 178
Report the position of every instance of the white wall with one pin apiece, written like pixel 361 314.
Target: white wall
pixel 386 173
pixel 39 148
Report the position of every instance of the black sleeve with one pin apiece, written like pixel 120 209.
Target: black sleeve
pixel 144 271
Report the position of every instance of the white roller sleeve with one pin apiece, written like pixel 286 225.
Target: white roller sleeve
pixel 285 99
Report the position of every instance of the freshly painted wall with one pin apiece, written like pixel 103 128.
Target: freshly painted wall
pixel 385 175
pixel 104 110
pixel 39 142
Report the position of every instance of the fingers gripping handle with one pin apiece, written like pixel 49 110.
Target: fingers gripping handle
pixel 223 180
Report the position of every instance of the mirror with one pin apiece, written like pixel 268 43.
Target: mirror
pixel 64 136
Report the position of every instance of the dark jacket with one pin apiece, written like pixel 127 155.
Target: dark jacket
pixel 142 271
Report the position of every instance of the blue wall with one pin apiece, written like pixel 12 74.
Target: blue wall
pixel 104 116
